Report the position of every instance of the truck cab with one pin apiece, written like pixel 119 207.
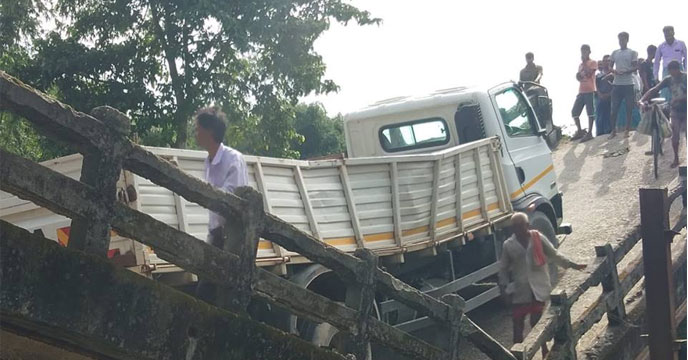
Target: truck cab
pixel 456 116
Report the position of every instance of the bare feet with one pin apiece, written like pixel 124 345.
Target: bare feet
pixel 612 135
pixel 649 153
pixel 587 137
pixel 674 164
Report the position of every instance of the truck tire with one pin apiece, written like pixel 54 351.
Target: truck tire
pixel 328 336
pixel 322 334
pixel 540 222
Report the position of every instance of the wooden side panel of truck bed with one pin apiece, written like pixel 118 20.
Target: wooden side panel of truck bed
pixel 391 204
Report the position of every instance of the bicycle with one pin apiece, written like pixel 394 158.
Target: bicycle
pixel 656 105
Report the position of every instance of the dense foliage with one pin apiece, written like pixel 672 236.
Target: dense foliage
pixel 161 60
pixel 321 135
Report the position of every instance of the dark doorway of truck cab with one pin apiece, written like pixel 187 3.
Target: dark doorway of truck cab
pixel 539 99
pixel 469 123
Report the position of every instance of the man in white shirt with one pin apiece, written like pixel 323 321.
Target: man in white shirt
pixel 225 169
pixel 524 279
pixel 671 49
pixel 624 63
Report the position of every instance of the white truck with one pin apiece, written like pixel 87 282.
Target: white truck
pixel 428 184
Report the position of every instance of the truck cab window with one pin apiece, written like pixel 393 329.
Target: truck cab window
pixel 414 135
pixel 515 113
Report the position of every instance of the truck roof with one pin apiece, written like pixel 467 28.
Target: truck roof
pixel 414 102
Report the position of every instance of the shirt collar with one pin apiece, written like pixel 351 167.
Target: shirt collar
pixel 675 43
pixel 218 154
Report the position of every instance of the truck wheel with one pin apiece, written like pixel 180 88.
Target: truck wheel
pixel 324 282
pixel 328 336
pixel 540 222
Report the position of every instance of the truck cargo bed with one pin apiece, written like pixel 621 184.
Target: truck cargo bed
pixel 392 204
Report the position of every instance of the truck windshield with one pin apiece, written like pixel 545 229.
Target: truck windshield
pixel 515 113
pixel 414 135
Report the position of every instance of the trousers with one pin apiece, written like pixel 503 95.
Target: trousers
pixel 206 290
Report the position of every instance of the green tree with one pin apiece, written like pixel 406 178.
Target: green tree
pixel 19 20
pixel 19 137
pixel 19 23
pixel 321 134
pixel 160 60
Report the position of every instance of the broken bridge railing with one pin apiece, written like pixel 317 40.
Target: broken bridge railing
pixel 557 324
pixel 92 205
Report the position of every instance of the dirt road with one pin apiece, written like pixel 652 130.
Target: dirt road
pixel 600 180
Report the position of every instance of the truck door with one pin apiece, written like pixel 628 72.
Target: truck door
pixel 523 140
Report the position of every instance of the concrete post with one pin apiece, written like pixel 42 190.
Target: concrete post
pixel 101 170
pixel 361 296
pixel 564 346
pixel 457 305
pixel 616 311
pixel 241 238
pixel 659 296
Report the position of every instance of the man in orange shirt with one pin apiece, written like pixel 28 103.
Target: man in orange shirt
pixel 586 94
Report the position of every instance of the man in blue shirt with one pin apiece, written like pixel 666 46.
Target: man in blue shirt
pixel 604 98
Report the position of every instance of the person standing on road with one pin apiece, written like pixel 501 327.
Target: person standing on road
pixel 603 83
pixel 586 94
pixel 531 72
pixel 624 62
pixel 225 169
pixel 676 83
pixel 671 49
pixel 525 255
pixel 646 69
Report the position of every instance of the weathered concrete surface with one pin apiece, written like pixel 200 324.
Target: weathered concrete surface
pixel 600 181
pixel 16 347
pixel 84 132
pixel 100 309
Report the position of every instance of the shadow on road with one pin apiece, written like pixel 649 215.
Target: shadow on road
pixel 613 167
pixel 573 164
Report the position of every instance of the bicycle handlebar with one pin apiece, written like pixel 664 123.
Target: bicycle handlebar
pixel 654 102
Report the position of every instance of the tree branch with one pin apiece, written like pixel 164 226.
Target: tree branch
pixel 177 81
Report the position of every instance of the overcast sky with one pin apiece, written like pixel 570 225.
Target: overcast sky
pixel 427 45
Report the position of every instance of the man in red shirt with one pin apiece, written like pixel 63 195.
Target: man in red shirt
pixel 586 94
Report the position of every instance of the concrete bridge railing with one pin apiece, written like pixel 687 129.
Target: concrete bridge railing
pixel 92 205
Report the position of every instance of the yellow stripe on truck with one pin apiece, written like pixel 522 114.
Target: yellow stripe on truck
pixel 264 245
pixel 350 240
pixel 532 182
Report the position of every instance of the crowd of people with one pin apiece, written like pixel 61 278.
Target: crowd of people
pixel 614 90
pixel 617 87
